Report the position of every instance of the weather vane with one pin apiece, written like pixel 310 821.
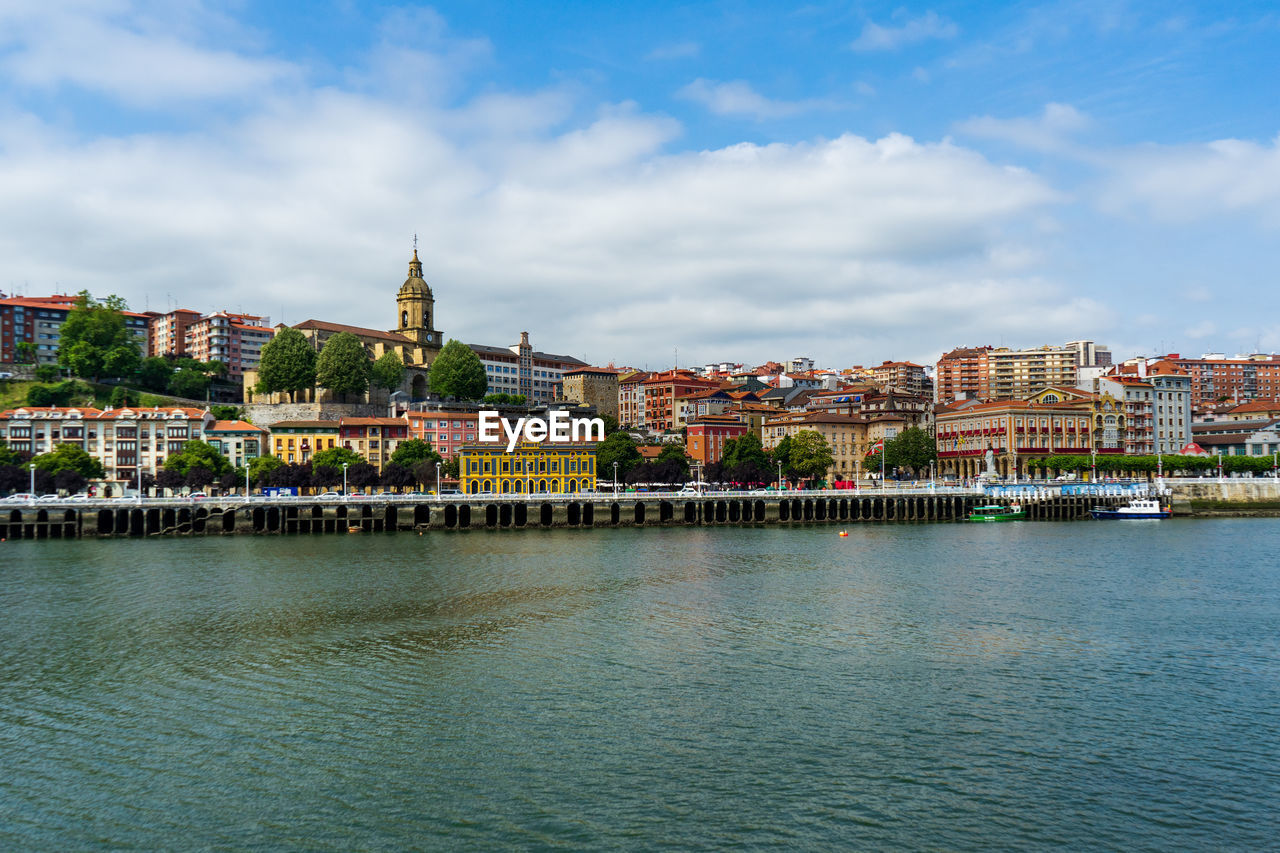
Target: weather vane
pixel 415 242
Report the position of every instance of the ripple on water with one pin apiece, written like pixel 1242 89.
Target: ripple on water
pixel 933 686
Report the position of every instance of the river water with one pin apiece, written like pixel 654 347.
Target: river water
pixel 1104 685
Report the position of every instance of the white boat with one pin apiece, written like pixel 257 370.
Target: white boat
pixel 1137 508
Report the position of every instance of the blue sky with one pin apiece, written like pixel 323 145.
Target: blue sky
pixel 742 181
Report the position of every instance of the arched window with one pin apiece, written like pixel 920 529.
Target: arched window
pixel 404 319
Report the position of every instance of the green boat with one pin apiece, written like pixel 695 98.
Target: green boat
pixel 995 512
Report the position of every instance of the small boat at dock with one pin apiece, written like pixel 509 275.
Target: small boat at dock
pixel 1138 508
pixel 995 512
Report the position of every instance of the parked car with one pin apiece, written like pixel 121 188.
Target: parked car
pixel 82 496
pixel 449 492
pixel 20 497
pixel 197 496
pixel 49 498
pixel 329 496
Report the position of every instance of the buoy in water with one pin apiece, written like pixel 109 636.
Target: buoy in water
pixel 844 533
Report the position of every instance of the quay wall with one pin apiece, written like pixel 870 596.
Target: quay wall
pixel 123 518
pixel 1209 497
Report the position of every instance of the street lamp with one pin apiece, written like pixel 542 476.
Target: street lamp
pixel 615 479
pixel 779 476
pixel 344 478
pixel 32 468
pixel 1093 464
pixel 437 481
pixel 246 480
pixel 1159 464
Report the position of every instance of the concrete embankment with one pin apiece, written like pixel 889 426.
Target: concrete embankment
pixel 1208 498
pixel 373 515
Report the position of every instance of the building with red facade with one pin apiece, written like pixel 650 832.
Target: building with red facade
pixel 661 391
pixel 707 436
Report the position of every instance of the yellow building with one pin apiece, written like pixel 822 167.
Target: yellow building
pixel 298 441
pixel 528 469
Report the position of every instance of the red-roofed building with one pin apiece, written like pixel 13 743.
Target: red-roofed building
pixel 121 439
pixel 1054 421
pixel 37 320
pixel 239 441
pixel 373 438
pixel 707 436
pixel 661 391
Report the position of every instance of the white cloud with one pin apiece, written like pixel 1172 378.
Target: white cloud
pixel 111 49
pixel 928 26
pixel 599 236
pixel 737 98
pixel 1185 183
pixel 1052 130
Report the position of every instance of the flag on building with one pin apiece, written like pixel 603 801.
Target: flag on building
pixel 878 447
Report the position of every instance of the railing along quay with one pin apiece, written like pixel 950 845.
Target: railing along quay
pixel 126 517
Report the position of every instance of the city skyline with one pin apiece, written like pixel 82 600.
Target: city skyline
pixel 852 184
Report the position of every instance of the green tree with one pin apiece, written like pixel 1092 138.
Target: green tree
pixel 343 365
pixel 744 450
pixel 69 457
pixel 912 448
pixel 674 462
pixel 288 364
pixel 197 454
pixel 48 373
pixel 95 342
pixel 26 353
pixel 227 413
pixel 810 455
pixel 122 397
pixel 621 448
pixel 388 371
pixel 260 468
pixel 189 383
pixel 154 372
pixel 409 453
pixel 334 457
pixel 458 373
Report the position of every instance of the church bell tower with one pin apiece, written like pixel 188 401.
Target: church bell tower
pixel 416 308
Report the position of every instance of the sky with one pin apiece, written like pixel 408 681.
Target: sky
pixel 655 183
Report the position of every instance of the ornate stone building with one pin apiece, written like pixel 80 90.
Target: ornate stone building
pixel 415 339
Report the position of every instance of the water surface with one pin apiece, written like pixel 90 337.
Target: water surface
pixel 1103 685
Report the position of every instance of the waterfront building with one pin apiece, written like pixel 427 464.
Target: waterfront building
pixel 415 339
pixel 846 435
pixel 1260 437
pixel 239 441
pixel 1255 410
pixel 1054 421
pixel 1216 378
pixel 903 376
pixel 594 386
pixel 661 391
pixel 122 440
pixel 1138 396
pixel 519 369
pixel 37 320
pixel 168 332
pixel 236 340
pixel 707 436
pixel 373 438
pixel 1000 373
pixel 697 404
pixel 295 442
pixel 541 468
pixel 631 398
pixel 448 431
pixel 1172 415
